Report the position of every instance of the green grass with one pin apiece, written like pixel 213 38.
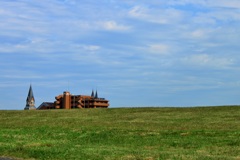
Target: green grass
pixel 124 134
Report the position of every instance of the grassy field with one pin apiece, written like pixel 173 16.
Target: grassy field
pixel 126 133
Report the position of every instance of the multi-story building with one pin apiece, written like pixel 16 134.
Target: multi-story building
pixel 70 101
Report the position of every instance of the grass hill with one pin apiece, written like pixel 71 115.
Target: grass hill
pixel 124 133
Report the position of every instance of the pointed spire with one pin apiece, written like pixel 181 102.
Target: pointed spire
pixel 96 95
pixel 92 95
pixel 30 94
pixel 30 102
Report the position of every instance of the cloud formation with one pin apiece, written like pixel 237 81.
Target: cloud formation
pixel 173 53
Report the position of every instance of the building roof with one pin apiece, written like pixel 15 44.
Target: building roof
pixel 46 104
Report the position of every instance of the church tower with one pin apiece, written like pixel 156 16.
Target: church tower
pixel 30 102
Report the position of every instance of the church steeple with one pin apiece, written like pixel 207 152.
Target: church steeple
pixel 92 95
pixel 96 95
pixel 30 94
pixel 30 102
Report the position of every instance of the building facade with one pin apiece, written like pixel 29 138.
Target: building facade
pixel 70 101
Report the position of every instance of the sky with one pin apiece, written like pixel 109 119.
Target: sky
pixel 135 53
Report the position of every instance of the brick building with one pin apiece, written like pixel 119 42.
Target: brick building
pixel 70 101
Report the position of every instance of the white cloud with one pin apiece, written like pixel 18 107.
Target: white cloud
pixel 198 33
pixel 138 11
pixel 207 3
pixel 108 43
pixel 205 60
pixel 161 16
pixel 161 49
pixel 201 33
pixel 224 3
pixel 91 47
pixel 113 26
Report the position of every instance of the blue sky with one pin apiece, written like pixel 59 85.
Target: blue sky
pixel 135 53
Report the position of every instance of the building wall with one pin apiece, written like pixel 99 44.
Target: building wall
pixel 68 101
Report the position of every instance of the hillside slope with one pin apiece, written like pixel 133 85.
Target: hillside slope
pixel 123 133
